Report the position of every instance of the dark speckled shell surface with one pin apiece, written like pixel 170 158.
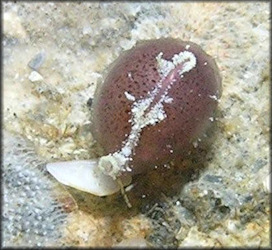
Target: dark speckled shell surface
pixel 135 72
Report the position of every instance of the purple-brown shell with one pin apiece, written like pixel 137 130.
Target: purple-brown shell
pixel 194 99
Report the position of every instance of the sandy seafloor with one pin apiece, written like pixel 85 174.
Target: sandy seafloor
pixel 55 54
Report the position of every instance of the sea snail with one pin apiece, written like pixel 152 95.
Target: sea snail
pixel 157 98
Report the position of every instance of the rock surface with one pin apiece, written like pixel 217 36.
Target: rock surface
pixel 223 203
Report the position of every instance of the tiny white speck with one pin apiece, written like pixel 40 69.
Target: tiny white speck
pixel 128 188
pixel 205 192
pixel 161 116
pixel 195 144
pixel 129 96
pixel 128 169
pixel 130 76
pixel 214 97
pixel 211 119
pixel 205 63
pixel 168 100
pixel 35 77
pixel 187 46
pixel 126 151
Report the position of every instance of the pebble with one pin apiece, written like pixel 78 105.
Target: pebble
pixel 13 27
pixel 37 61
pixel 35 77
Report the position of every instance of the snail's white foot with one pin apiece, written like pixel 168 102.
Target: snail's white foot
pixel 86 176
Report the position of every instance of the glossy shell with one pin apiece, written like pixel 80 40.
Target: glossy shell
pixel 135 74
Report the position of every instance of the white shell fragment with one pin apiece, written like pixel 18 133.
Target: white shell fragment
pixel 267 183
pixel 35 77
pixel 85 176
